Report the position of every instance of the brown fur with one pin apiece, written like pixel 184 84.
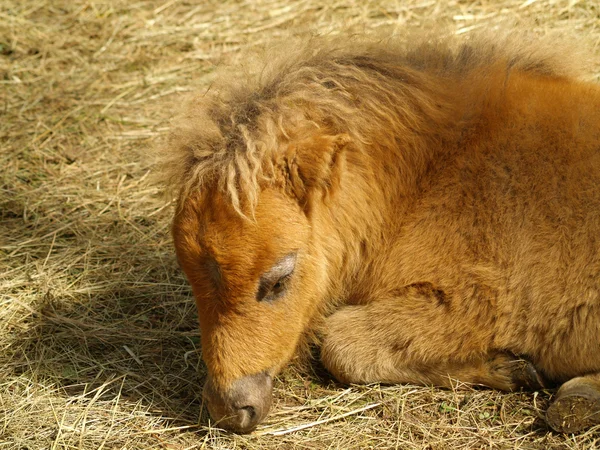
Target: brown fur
pixel 443 201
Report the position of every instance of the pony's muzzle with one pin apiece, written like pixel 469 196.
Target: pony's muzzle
pixel 243 406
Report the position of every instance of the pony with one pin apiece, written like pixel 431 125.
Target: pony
pixel 425 211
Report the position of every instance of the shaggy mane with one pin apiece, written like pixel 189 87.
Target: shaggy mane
pixel 229 136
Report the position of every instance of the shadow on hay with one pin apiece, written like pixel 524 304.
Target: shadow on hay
pixel 107 312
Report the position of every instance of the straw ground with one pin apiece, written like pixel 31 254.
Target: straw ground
pixel 98 336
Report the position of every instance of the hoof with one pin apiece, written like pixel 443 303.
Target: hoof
pixel 525 376
pixel 576 408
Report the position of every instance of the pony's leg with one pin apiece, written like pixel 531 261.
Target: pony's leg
pixel 415 338
pixel 576 405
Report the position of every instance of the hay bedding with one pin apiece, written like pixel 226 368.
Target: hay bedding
pixel 98 338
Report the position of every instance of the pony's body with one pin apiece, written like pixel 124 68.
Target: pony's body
pixel 432 212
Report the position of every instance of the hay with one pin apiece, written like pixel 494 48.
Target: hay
pixel 98 337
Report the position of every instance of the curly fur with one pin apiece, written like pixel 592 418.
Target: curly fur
pixel 357 86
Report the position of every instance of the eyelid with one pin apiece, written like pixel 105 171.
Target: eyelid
pixel 282 268
pixel 279 273
pixel 265 287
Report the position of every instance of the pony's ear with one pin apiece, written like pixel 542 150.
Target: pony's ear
pixel 315 166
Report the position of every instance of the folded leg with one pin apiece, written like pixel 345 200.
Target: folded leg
pixel 419 337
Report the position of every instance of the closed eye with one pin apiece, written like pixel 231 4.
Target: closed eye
pixel 274 283
pixel 269 291
pixel 281 284
pixel 278 286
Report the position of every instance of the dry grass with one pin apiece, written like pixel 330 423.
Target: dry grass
pixel 98 338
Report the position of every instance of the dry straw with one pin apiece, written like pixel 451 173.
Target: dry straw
pixel 98 336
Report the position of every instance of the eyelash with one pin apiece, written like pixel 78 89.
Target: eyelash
pixel 274 291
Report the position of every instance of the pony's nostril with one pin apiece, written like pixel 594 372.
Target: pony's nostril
pixel 250 411
pixel 247 419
